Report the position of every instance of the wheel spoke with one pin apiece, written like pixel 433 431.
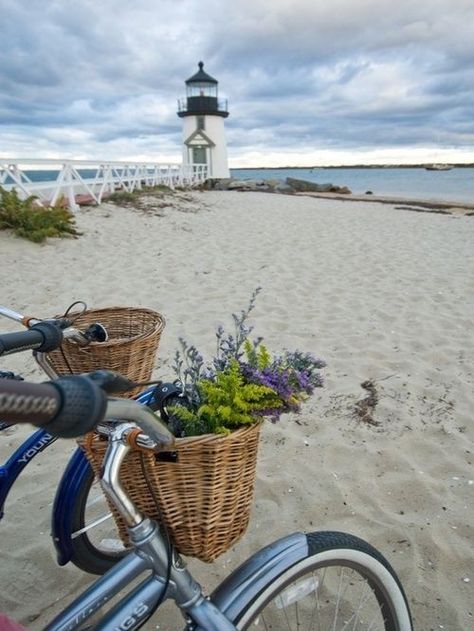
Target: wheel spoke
pixel 91 525
pixel 321 585
pixel 338 600
pixel 355 616
pixel 91 501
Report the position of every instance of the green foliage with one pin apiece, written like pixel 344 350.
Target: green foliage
pixel 227 403
pixel 122 197
pixel 159 188
pixel 125 197
pixel 33 222
pixel 257 355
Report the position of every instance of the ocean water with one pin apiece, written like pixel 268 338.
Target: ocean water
pixel 456 185
pixel 415 183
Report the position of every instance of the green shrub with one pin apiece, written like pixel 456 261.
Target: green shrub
pixel 159 188
pixel 33 222
pixel 122 197
pixel 126 197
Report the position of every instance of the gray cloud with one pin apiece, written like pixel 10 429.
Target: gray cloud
pixel 301 76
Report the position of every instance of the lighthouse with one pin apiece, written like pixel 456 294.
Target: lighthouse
pixel 203 116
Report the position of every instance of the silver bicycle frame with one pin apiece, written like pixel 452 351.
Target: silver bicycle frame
pixel 151 553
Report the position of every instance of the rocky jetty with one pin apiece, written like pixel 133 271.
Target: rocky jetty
pixel 303 186
pixel 288 186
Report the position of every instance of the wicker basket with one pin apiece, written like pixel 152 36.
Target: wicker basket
pixel 134 335
pixel 203 499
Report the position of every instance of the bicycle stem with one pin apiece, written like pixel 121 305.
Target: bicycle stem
pixel 157 436
pixel 110 481
pixel 144 417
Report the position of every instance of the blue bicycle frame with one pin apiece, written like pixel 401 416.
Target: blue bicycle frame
pixel 77 469
pixel 9 472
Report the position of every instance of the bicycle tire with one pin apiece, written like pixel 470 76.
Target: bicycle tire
pixel 332 553
pixel 95 549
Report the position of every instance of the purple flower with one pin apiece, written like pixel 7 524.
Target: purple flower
pixel 292 375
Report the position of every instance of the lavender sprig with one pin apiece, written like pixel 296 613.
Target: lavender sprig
pixel 231 346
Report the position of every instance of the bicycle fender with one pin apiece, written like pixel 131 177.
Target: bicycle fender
pixel 64 502
pixel 245 583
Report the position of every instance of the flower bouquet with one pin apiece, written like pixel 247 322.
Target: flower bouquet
pixel 243 383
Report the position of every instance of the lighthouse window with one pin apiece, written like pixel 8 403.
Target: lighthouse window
pixel 200 122
pixel 202 89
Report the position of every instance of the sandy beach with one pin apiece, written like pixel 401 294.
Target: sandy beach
pixel 380 293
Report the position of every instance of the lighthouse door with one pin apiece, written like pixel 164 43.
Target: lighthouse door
pixel 199 155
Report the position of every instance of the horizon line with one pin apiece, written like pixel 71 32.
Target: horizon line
pixel 358 165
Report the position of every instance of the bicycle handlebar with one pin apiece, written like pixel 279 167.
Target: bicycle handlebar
pixel 46 335
pixel 70 407
pixel 43 337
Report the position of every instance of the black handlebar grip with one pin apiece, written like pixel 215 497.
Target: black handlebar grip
pixel 22 402
pixel 68 407
pixel 43 337
pixel 83 406
pixel 52 335
pixel 20 341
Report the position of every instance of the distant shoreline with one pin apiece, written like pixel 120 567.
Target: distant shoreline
pixel 457 165
pixel 445 207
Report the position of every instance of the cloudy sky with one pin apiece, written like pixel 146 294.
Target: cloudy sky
pixel 309 82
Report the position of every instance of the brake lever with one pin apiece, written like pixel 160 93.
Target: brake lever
pixel 111 382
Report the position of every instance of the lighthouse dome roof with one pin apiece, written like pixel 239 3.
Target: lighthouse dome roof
pixel 201 76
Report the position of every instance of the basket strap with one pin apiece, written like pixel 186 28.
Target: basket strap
pixel 132 440
pixel 88 439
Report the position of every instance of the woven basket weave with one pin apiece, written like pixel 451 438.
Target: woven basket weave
pixel 134 335
pixel 204 499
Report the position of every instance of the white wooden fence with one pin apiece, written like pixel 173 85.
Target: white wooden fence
pixel 51 180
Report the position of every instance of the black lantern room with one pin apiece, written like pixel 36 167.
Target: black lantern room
pixel 201 97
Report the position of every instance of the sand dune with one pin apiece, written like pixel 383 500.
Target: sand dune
pixel 384 295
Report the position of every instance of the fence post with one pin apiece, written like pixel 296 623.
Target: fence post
pixel 69 182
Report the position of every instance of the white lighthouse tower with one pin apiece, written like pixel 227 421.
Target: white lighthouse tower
pixel 203 125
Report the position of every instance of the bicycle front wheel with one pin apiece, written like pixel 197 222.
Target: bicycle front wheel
pixel 96 543
pixel 343 583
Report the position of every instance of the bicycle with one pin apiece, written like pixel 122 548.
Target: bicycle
pixel 82 528
pixel 320 580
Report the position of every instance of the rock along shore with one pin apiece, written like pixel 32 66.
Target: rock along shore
pixel 288 186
